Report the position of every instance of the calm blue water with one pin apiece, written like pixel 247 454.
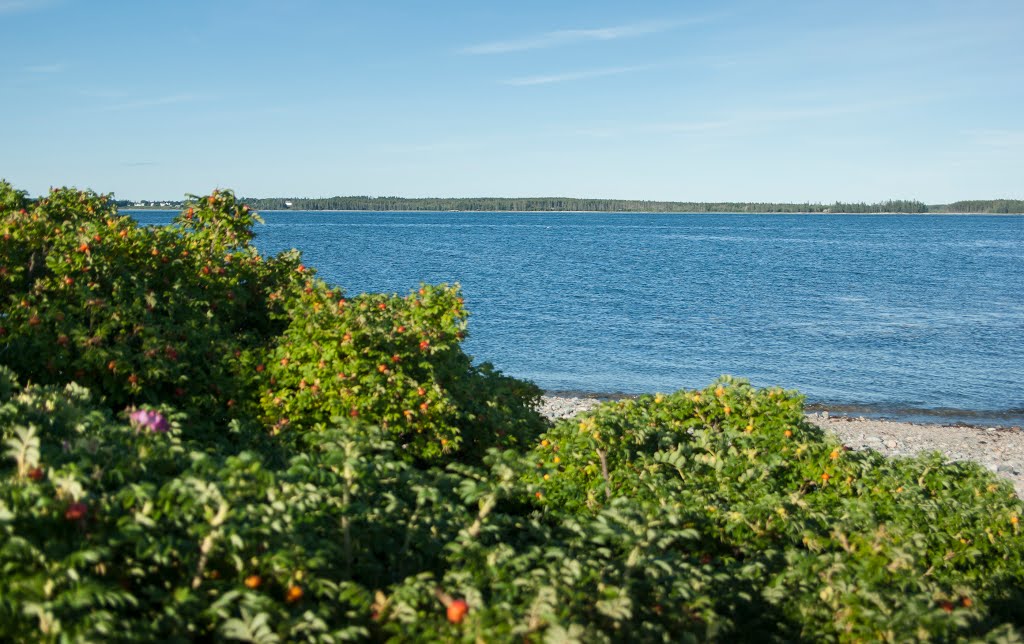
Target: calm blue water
pixel 900 316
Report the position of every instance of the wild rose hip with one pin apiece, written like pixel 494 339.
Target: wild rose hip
pixel 76 512
pixel 457 611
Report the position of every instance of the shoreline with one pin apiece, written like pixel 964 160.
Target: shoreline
pixel 1008 419
pixel 997 449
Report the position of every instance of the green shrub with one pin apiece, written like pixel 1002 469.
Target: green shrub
pixel 831 543
pixel 141 315
pixel 393 362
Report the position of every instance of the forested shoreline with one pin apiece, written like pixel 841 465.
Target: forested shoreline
pixel 563 204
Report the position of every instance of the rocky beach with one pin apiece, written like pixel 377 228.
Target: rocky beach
pixel 999 449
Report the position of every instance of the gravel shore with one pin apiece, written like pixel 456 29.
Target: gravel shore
pixel 1000 449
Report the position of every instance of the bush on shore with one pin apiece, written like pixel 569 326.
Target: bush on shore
pixel 204 443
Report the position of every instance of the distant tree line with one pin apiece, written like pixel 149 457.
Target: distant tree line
pixel 554 204
pixel 994 206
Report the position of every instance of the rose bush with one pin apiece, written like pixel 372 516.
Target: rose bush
pixel 821 541
pixel 141 315
pixel 392 363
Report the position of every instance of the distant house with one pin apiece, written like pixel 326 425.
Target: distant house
pixel 287 204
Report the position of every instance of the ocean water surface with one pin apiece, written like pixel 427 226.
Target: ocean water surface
pixel 915 317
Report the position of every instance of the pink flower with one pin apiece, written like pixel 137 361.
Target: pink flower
pixel 152 420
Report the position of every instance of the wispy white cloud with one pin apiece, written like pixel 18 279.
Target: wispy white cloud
pixel 998 138
pixel 812 111
pixel 803 112
pixel 54 68
pixel 571 36
pixel 671 127
pixel 16 6
pixel 678 127
pixel 689 126
pixel 745 121
pixel 430 147
pixel 571 76
pixel 595 132
pixel 104 93
pixel 150 102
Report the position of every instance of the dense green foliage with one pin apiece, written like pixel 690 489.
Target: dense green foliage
pixel 995 206
pixel 395 362
pixel 202 443
pixel 550 204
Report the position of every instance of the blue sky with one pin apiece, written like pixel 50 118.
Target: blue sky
pixel 742 100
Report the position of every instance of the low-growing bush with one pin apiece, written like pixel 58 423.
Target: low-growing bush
pixel 838 543
pixel 139 315
pixel 202 443
pixel 393 362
